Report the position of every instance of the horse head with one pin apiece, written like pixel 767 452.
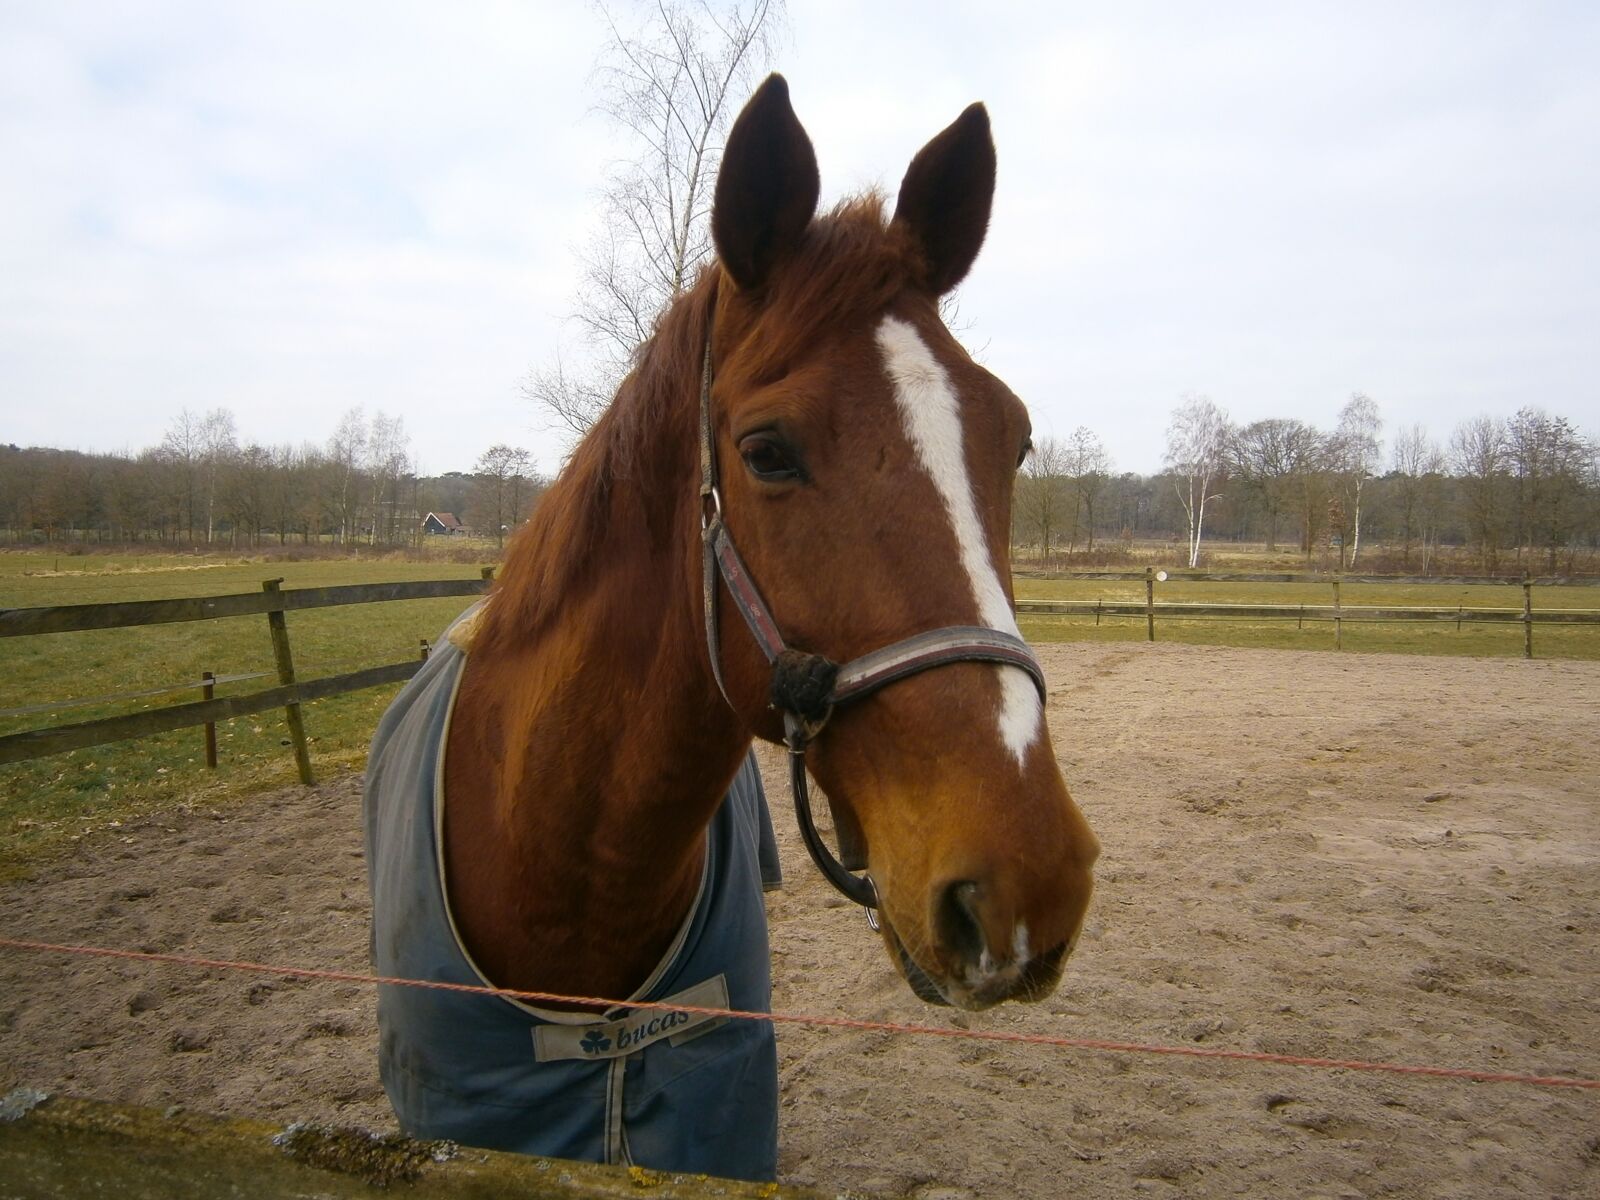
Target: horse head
pixel 867 471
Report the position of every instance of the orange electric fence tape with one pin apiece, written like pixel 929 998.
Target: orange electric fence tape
pixel 976 1035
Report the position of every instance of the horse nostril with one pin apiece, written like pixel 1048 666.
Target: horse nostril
pixel 1044 970
pixel 955 922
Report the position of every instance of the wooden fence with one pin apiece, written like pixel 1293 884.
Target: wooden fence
pixel 292 692
pixel 289 695
pixel 1336 612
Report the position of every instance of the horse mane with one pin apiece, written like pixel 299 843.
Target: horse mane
pixel 848 266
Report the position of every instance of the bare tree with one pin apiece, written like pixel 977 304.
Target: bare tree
pixel 283 489
pixel 245 492
pixel 1039 492
pixel 129 501
pixel 1197 441
pixel 1268 457
pixel 388 464
pixel 1356 451
pixel 672 85
pixel 1547 458
pixel 504 481
pixel 1087 465
pixel 64 503
pixel 525 485
pixel 218 446
pixel 1478 454
pixel 343 465
pixel 183 447
pixel 1418 466
pixel 315 511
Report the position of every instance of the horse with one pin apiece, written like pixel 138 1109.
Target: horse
pixel 563 801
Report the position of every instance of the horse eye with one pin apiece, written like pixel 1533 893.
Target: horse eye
pixel 768 459
pixel 1027 449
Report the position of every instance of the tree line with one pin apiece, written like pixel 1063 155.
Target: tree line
pixel 204 487
pixel 1521 492
pixel 1516 493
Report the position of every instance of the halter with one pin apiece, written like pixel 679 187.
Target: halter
pixel 807 687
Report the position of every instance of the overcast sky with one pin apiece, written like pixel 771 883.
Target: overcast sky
pixel 290 209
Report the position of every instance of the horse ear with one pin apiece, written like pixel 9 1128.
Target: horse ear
pixel 767 187
pixel 946 197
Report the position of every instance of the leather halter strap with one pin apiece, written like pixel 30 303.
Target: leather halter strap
pixel 853 680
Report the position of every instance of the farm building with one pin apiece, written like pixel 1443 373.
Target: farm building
pixel 442 523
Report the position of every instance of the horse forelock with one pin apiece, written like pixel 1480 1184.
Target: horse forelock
pixel 848 266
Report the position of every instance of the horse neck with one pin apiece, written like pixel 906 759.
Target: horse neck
pixel 585 762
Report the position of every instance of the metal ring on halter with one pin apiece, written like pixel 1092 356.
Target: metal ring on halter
pixel 716 507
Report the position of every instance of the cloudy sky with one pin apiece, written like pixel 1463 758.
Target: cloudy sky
pixel 290 209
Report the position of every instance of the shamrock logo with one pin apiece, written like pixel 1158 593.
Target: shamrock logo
pixel 595 1042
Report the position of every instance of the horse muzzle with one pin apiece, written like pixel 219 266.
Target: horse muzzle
pixel 963 970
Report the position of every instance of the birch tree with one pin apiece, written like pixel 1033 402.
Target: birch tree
pixel 671 86
pixel 343 462
pixel 1197 443
pixel 388 463
pixel 1356 453
pixel 219 443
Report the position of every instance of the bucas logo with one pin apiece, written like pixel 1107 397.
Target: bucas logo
pixel 629 1038
pixel 630 1034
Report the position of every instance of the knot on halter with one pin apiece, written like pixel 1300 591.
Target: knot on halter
pixel 802 684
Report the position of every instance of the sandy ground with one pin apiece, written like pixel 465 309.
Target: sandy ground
pixel 1348 856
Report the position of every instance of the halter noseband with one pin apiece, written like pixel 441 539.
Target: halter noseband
pixel 807 687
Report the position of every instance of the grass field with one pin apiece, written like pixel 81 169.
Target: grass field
pixel 47 804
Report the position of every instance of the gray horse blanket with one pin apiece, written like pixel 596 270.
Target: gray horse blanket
pixel 672 1090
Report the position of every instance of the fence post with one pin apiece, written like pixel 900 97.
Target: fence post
pixel 1150 603
pixel 1338 621
pixel 1527 617
pixel 425 648
pixel 291 710
pixel 208 691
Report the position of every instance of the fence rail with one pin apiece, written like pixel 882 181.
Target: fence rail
pixel 289 695
pixel 71 618
pixel 1305 612
pixel 1186 576
pixel 1337 613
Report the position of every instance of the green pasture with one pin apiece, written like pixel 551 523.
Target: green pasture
pixel 49 803
pixel 1397 637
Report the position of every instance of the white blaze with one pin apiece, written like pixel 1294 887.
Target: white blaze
pixel 932 419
